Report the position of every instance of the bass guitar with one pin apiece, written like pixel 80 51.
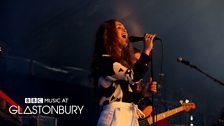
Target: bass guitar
pixel 147 111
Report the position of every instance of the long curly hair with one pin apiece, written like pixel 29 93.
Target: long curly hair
pixel 107 43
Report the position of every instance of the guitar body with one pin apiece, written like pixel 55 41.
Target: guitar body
pixel 159 118
pixel 147 111
pixel 163 122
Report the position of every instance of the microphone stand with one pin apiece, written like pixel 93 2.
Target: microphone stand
pixel 206 74
pixel 153 94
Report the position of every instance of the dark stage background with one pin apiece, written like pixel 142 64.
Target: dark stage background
pixel 46 48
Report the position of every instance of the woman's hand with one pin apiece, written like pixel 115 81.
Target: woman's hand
pixel 149 87
pixel 148 42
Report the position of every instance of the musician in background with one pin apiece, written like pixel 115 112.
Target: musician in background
pixel 149 86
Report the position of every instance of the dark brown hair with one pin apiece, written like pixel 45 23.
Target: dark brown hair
pixel 107 43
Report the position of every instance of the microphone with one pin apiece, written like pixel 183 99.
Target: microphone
pixel 180 59
pixel 188 63
pixel 1 50
pixel 136 38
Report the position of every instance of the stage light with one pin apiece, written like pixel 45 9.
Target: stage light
pixel 191 117
pixel 191 120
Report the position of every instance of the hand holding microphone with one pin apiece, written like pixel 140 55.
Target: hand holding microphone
pixel 148 42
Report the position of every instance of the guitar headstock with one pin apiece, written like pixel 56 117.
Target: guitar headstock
pixel 187 106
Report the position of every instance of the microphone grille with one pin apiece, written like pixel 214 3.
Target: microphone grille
pixel 135 39
pixel 179 59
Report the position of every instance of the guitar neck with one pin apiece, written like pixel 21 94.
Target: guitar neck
pixel 165 114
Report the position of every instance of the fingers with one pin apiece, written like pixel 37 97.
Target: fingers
pixel 154 87
pixel 148 44
pixel 149 37
pixel 150 86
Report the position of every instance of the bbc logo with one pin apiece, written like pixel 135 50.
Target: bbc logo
pixel 34 100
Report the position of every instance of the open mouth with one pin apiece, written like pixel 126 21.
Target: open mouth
pixel 124 36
